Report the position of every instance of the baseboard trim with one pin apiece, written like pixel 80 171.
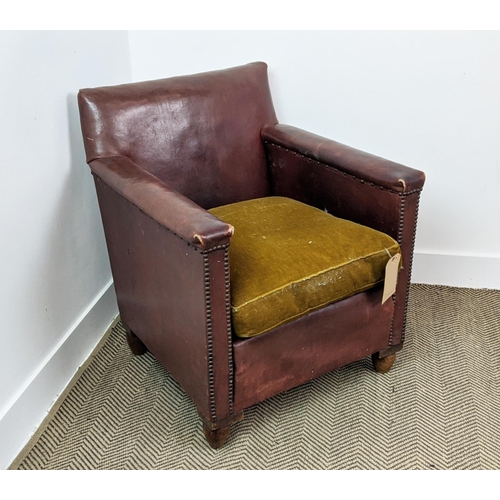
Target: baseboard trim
pixel 464 271
pixel 48 385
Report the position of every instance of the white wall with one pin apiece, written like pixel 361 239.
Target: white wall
pixel 56 295
pixel 429 100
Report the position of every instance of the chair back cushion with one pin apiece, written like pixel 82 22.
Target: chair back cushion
pixel 200 134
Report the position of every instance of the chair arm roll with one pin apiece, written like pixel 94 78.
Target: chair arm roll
pixel 367 167
pixel 167 206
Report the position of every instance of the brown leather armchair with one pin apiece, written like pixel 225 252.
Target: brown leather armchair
pixel 163 153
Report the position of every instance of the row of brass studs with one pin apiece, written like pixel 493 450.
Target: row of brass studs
pixel 410 266
pixel 213 249
pixel 203 252
pixel 400 241
pixel 229 329
pixel 401 219
pixel 210 346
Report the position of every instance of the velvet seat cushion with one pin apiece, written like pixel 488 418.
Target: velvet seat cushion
pixel 287 259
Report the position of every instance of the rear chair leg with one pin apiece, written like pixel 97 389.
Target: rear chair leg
pixel 135 343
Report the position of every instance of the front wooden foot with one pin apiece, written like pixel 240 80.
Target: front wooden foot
pixel 383 365
pixel 135 343
pixel 218 432
pixel 216 437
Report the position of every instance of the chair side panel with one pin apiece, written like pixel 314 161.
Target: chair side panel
pixel 160 287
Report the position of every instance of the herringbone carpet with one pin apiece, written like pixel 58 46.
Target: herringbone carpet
pixel 439 407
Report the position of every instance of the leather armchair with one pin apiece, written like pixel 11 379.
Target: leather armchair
pixel 163 153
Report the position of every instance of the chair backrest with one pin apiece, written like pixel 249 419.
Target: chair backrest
pixel 200 134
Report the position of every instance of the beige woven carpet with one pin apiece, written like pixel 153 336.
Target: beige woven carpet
pixel 438 407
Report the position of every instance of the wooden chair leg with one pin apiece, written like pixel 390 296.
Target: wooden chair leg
pixel 217 433
pixel 216 437
pixel 135 343
pixel 383 365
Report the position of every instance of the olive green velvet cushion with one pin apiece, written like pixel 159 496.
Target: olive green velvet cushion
pixel 287 259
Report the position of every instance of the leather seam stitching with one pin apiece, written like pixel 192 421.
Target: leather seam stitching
pixel 209 326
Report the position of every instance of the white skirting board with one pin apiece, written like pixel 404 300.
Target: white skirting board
pixel 465 271
pixel 27 412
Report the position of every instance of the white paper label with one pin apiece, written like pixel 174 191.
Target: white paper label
pixel 391 276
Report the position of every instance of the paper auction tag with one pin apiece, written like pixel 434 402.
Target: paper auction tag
pixel 391 276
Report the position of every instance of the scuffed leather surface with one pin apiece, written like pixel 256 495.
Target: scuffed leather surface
pixel 369 168
pixel 200 134
pixel 165 205
pixel 299 351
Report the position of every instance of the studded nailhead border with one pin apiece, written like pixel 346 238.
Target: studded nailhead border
pixel 229 330
pixel 210 350
pixel 410 264
pixel 210 346
pixel 400 240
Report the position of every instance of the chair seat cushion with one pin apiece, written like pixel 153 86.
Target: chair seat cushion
pixel 287 259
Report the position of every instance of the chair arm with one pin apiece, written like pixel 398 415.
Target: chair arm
pixel 352 185
pixel 165 205
pixel 364 166
pixel 171 294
